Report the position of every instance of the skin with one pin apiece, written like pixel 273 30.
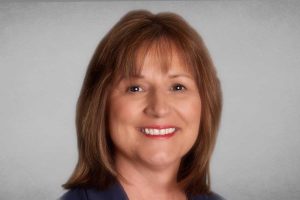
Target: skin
pixel 148 166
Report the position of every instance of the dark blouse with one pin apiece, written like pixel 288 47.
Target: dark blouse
pixel 116 192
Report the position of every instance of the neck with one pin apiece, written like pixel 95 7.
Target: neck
pixel 147 182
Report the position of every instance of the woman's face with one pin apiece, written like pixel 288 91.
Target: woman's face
pixel 154 118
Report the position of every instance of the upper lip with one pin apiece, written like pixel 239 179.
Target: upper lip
pixel 157 126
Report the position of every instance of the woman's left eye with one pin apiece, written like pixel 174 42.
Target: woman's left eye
pixel 178 87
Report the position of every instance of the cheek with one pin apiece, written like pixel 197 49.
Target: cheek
pixel 122 114
pixel 191 115
pixel 190 111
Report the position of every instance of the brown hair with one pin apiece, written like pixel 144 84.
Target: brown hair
pixel 117 55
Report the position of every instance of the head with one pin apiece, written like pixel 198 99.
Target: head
pixel 121 54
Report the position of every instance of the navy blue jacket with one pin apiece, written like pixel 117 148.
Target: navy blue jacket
pixel 116 192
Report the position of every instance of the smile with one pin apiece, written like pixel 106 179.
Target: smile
pixel 158 132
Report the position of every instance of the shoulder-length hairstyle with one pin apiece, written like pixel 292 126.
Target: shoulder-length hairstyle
pixel 115 56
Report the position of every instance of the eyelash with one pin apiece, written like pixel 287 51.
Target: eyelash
pixel 133 88
pixel 176 87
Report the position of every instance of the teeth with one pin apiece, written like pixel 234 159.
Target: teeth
pixel 152 131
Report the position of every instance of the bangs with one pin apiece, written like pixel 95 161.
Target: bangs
pixel 162 49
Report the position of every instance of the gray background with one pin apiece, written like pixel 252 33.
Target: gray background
pixel 45 49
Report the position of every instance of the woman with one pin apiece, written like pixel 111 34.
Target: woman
pixel 148 114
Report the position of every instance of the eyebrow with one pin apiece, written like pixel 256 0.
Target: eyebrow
pixel 172 76
pixel 181 75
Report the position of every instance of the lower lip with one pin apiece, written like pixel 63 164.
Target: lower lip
pixel 159 136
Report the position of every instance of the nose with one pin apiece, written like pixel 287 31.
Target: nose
pixel 157 104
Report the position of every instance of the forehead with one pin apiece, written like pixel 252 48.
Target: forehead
pixel 161 55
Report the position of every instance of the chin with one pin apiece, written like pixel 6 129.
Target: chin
pixel 162 161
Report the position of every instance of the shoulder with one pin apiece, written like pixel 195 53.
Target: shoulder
pixel 114 192
pixel 74 194
pixel 211 196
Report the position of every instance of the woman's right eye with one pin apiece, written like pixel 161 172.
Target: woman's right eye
pixel 134 88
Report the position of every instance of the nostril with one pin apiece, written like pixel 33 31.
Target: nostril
pixel 157 105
